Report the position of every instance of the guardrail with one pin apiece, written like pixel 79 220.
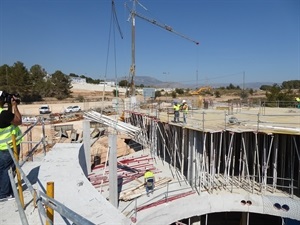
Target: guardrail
pixel 41 200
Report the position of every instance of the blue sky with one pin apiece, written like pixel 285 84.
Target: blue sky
pixel 257 38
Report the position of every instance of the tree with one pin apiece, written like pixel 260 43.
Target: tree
pixel 217 94
pixel 251 91
pixel 38 75
pixel 265 87
pixel 19 80
pixel 123 83
pixel 243 94
pixel 115 93
pixel 292 84
pixel 276 94
pixel 61 85
pixel 174 94
pixel 5 70
pixel 73 75
pixel 179 91
pixel 157 94
pixel 230 87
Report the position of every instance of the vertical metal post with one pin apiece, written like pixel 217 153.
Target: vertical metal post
pixel 167 193
pixel 232 173
pixel 246 160
pixel 132 69
pixel 225 121
pixel 29 145
pixel 203 121
pixel 16 156
pixel 253 177
pixel 298 156
pixel 175 149
pixel 292 172
pixel 247 218
pixel 165 146
pixel 257 154
pixel 220 152
pixel 19 204
pixel 240 164
pixel 190 160
pixel 212 162
pixel 87 145
pixel 195 162
pixel 257 129
pixel 113 177
pixel 44 136
pixel 49 210
pixel 183 147
pixel 227 159
pixel 275 164
pixel 135 208
pixel 263 172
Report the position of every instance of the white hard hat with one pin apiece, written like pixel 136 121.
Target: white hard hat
pixel 183 101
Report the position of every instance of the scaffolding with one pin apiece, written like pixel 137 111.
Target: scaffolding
pixel 255 160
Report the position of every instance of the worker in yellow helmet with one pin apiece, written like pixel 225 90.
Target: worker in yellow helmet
pixel 298 102
pixel 185 109
pixel 149 181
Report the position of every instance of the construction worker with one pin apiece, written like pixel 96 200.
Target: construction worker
pixel 298 102
pixel 149 181
pixel 185 109
pixel 9 121
pixel 176 108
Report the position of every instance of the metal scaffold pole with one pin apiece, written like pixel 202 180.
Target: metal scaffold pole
pixel 113 177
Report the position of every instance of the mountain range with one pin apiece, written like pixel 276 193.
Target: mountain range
pixel 153 82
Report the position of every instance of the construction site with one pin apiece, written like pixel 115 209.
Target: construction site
pixel 227 165
pixel 231 162
pixel 244 160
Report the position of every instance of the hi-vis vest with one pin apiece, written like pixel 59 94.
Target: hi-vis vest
pixel 176 107
pixel 185 108
pixel 6 135
pixel 149 178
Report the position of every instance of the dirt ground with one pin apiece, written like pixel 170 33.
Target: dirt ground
pixel 93 95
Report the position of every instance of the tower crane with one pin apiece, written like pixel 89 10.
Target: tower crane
pixel 134 14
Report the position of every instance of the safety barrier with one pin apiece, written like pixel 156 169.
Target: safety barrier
pixel 41 200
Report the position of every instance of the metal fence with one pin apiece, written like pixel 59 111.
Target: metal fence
pixel 39 198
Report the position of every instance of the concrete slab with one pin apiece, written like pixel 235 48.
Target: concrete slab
pixel 62 165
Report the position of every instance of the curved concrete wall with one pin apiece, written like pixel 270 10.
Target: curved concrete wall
pixel 195 205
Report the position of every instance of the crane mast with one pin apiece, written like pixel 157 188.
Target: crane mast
pixel 132 67
pixel 133 15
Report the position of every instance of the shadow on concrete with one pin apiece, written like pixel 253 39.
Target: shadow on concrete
pixel 32 177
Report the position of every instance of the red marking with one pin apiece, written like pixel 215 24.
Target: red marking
pixel 174 197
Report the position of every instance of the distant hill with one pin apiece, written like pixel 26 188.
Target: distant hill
pixel 253 85
pixel 153 82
